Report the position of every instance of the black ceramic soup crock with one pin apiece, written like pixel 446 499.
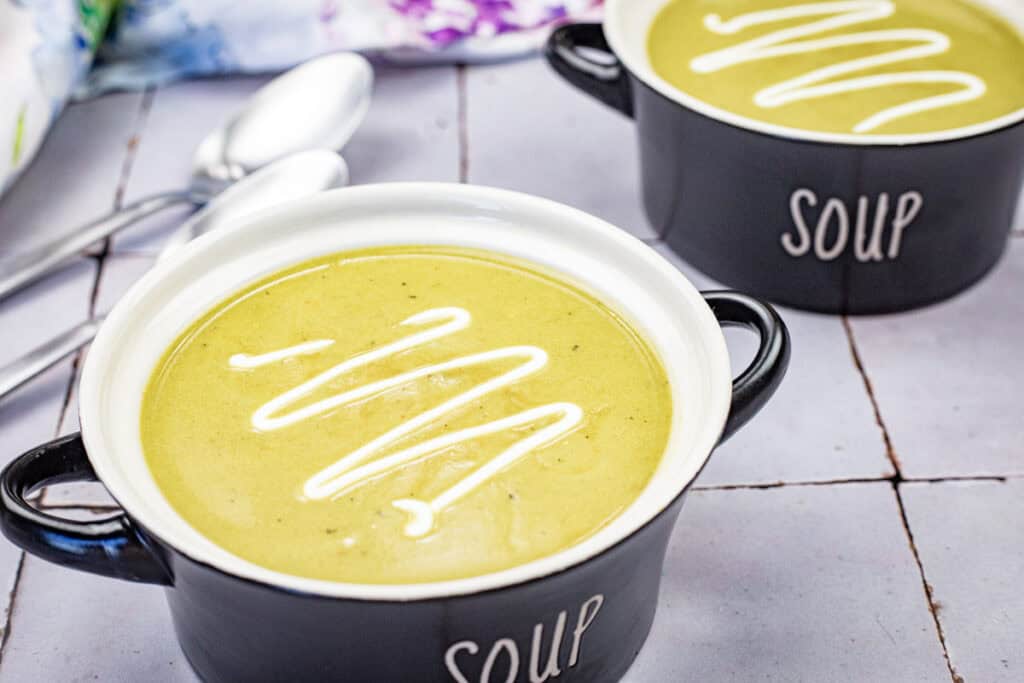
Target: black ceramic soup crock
pixel 580 615
pixel 825 222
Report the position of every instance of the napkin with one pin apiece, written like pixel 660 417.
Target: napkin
pixel 46 47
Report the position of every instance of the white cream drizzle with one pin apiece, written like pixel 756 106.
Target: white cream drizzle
pixel 822 82
pixel 353 470
pixel 244 360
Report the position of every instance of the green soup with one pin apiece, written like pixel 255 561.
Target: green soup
pixel 871 67
pixel 405 415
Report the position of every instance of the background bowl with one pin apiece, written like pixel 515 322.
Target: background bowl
pixel 826 222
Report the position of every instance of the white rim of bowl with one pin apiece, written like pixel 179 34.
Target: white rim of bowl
pixel 631 50
pixel 103 423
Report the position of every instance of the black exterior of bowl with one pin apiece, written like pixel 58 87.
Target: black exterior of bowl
pixel 765 213
pixel 586 623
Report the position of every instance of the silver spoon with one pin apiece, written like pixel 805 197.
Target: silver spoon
pixel 293 177
pixel 317 105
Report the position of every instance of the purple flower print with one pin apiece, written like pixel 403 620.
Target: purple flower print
pixel 444 22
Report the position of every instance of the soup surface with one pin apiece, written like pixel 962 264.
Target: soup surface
pixel 404 415
pixel 873 67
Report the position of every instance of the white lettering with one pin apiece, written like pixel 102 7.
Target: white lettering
pixel 508 645
pixel 906 211
pixel 833 206
pixel 799 249
pixel 551 669
pixel 449 658
pixel 586 618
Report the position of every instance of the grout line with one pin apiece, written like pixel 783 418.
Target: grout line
pixel 896 480
pixel 853 480
pixel 145 106
pixel 67 397
pixel 784 484
pixel 929 593
pixel 463 119
pixel 11 601
pixel 76 365
pixel 136 254
pixel 1001 479
pixel 858 362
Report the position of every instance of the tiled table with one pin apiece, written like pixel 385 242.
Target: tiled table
pixel 866 527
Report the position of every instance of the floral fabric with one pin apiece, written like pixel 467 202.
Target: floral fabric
pixel 47 46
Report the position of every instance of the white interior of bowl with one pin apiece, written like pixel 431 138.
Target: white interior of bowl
pixel 620 269
pixel 627 23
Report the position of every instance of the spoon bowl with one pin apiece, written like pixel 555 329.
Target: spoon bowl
pixel 319 104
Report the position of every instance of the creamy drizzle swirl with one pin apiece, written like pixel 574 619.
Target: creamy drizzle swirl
pixel 823 82
pixel 353 469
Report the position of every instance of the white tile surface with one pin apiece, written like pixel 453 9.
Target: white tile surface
pixel 68 626
pixel 30 416
pixel 120 271
pixel 118 274
pixel 970 541
pixel 179 117
pixel 948 377
pixel 793 584
pixel 10 558
pixel 818 427
pixel 411 131
pixel 75 175
pixel 522 119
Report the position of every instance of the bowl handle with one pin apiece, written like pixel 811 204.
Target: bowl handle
pixel 752 389
pixel 110 546
pixel 580 54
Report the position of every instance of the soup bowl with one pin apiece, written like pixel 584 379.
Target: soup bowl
pixel 581 614
pixel 827 222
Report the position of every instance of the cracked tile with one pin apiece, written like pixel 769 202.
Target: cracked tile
pixel 820 426
pixel 119 273
pixel 30 415
pixel 71 626
pixel 968 535
pixel 944 377
pixel 802 583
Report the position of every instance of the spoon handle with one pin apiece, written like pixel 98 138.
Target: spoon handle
pixel 49 353
pixel 34 264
